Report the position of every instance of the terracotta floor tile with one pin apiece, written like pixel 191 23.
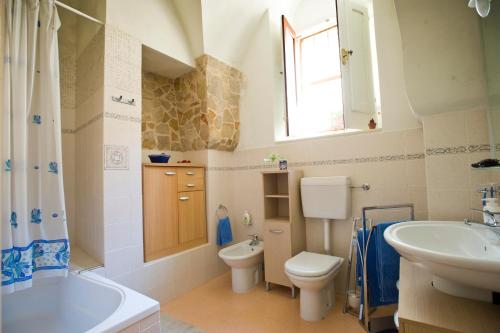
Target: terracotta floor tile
pixel 214 307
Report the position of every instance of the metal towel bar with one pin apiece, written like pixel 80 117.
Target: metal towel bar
pixel 365 309
pixel 365 209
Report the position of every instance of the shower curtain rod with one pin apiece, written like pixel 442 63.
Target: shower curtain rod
pixel 71 9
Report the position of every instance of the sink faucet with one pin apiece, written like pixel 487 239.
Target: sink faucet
pixel 254 239
pixel 491 223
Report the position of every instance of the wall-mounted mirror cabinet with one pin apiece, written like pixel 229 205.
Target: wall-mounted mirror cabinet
pixel 330 67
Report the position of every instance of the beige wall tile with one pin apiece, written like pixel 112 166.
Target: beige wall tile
pixel 476 127
pixel 415 172
pixel 414 141
pixel 448 172
pixel 445 130
pixel 449 205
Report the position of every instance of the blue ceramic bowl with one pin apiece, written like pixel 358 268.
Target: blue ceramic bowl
pixel 159 158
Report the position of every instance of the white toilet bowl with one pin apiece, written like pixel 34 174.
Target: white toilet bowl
pixel 313 273
pixel 246 264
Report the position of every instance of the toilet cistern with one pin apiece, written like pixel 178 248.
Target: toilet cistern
pixel 326 198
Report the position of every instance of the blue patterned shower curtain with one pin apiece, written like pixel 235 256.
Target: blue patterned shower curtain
pixel 34 232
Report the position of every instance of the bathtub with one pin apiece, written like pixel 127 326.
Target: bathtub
pixel 83 302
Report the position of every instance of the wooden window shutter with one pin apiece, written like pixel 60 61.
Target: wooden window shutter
pixel 289 59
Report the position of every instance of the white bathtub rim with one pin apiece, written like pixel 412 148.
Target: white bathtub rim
pixel 133 306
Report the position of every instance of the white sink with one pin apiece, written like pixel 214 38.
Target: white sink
pixel 464 259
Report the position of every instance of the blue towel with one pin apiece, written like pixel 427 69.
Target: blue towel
pixel 224 234
pixel 387 266
pixel 382 268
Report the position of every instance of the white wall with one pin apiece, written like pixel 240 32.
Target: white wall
pixel 392 160
pixel 89 139
pixel 190 14
pixel 165 278
pixel 155 23
pixel 258 89
pixel 443 57
pixel 263 108
pixel 397 113
pixel 86 30
pixel 67 76
pixel 310 13
pixel 228 26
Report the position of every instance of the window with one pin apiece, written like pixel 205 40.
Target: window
pixel 331 71
pixel 313 81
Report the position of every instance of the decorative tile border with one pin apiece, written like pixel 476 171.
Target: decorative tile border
pixel 117 116
pixel 68 131
pixel 440 151
pixel 82 126
pixel 371 159
pixel 109 115
pixel 418 156
pixel 459 149
pixel 88 122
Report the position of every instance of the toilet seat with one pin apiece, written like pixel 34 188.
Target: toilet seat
pixel 308 264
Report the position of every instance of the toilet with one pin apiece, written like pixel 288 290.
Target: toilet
pixel 313 273
pixel 324 198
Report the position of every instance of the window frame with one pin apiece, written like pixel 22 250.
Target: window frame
pixel 294 96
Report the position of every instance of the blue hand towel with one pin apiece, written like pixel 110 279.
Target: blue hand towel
pixel 382 267
pixel 224 234
pixel 387 266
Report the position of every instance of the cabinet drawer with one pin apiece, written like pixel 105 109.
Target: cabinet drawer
pixel 277 250
pixel 191 179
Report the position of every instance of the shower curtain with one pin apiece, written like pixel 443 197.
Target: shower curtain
pixel 34 232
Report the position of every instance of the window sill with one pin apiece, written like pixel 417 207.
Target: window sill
pixel 325 135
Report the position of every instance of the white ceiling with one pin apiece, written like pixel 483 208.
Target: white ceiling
pixel 228 26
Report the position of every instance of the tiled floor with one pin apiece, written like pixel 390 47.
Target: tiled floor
pixel 213 307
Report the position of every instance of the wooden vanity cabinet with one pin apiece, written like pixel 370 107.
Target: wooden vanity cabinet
pixel 174 213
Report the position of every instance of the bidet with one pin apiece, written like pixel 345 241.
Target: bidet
pixel 245 260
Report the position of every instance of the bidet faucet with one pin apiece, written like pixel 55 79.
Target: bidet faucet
pixel 254 239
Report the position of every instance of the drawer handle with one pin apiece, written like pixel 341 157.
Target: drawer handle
pixel 276 231
pixel 190 173
pixel 170 173
pixel 183 198
pixel 190 185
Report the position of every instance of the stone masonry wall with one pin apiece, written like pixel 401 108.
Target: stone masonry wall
pixel 199 110
pixel 160 122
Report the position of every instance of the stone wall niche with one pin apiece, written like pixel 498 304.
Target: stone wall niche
pixel 160 122
pixel 195 111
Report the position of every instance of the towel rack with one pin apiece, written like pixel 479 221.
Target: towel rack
pixel 221 211
pixel 410 206
pixel 365 308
